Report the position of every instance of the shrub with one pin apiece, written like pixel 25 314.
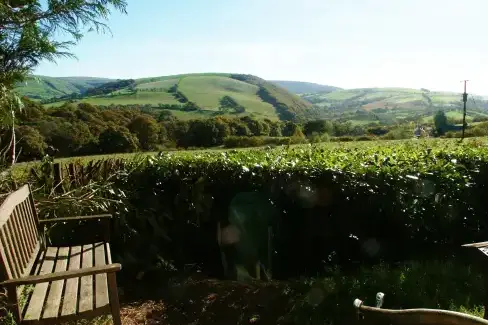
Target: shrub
pixel 342 139
pixel 317 137
pixel 366 138
pixel 409 200
pixel 388 203
pixel 244 142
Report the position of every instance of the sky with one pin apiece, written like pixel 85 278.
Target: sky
pixel 432 44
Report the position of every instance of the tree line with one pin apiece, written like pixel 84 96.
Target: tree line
pixel 85 129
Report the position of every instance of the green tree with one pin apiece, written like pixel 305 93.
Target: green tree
pixel 117 139
pixel 165 116
pixel 440 122
pixel 207 133
pixel 27 37
pixel 146 129
pixel 318 127
pixel 239 128
pixel 290 129
pixel 343 128
pixel 275 130
pixel 256 127
pixel 69 138
pixel 29 28
pixel 31 143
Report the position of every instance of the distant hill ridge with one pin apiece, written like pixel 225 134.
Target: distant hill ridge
pixel 201 95
pixel 43 87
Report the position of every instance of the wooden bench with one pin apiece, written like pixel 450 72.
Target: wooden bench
pixel 420 316
pixel 66 283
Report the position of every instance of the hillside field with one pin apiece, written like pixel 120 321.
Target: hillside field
pixel 42 87
pixel 390 105
pixel 274 100
pixel 255 96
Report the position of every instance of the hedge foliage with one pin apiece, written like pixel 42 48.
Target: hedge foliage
pixel 328 206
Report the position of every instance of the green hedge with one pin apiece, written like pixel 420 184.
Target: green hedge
pixel 259 141
pixel 327 205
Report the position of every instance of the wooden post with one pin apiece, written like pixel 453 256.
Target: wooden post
pixel 12 300
pixel 72 174
pixel 105 169
pixel 114 298
pixel 58 177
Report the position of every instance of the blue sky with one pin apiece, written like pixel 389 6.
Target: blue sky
pixel 346 43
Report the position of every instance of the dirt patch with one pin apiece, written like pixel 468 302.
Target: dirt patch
pixel 205 302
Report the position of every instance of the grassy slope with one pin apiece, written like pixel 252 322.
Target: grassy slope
pixel 401 102
pixel 205 90
pixel 48 87
pixel 296 103
pixel 368 98
pixel 141 98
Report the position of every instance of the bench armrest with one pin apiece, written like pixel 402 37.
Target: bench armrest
pixel 78 218
pixel 33 279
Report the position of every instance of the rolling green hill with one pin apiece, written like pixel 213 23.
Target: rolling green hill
pixel 252 95
pixel 200 96
pixel 299 87
pixel 42 87
pixel 371 98
pixel 388 105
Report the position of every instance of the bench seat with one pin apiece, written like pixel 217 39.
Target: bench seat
pixel 47 284
pixel 80 297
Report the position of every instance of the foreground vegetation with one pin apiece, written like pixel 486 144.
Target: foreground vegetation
pixel 397 214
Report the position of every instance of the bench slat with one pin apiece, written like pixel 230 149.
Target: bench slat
pixel 39 295
pixel 22 240
pixel 70 297
pixel 32 240
pixel 32 217
pixel 27 220
pixel 101 288
pixel 7 250
pixel 86 282
pixel 108 253
pixel 51 309
pixel 7 233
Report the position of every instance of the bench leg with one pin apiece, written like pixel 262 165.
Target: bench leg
pixel 114 298
pixel 13 302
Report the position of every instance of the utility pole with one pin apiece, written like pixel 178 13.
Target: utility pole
pixel 465 99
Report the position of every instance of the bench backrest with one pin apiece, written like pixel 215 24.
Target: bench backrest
pixel 19 234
